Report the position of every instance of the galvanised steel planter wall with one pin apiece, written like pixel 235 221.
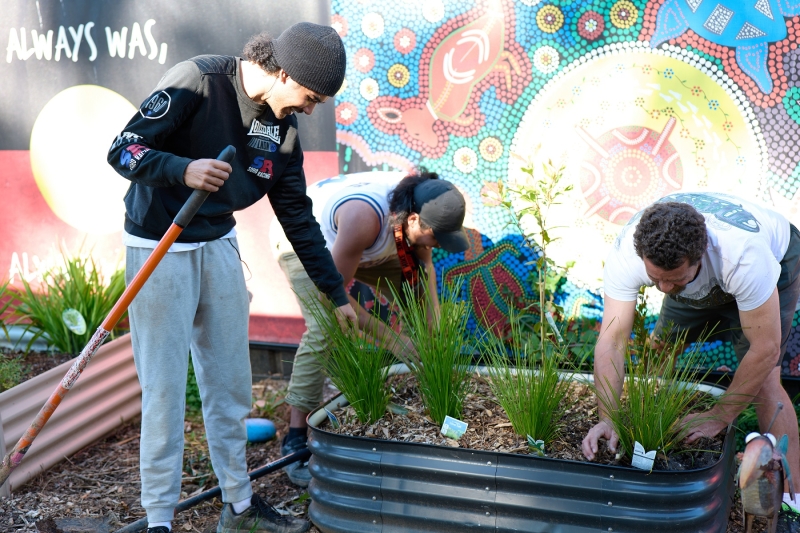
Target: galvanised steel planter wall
pixel 371 485
pixel 106 396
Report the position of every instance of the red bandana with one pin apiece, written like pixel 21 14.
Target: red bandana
pixel 408 259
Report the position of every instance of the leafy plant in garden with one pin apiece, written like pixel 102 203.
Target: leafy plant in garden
pixel 530 204
pixel 76 287
pixel 528 386
pixel 6 299
pixel 442 362
pixel 10 371
pixel 355 362
pixel 194 405
pixel 658 392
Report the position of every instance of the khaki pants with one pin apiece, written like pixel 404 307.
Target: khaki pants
pixel 305 385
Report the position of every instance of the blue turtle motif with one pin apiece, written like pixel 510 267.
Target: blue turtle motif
pixel 747 25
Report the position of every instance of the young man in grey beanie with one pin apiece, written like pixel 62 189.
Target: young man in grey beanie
pixel 196 298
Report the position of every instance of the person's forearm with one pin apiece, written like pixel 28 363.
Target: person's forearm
pixel 747 381
pixel 609 373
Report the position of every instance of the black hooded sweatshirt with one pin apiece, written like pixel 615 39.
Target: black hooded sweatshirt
pixel 198 108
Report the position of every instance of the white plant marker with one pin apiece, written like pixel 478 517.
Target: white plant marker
pixel 453 428
pixel 74 321
pixel 641 459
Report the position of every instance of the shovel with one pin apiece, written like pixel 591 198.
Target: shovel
pixel 182 219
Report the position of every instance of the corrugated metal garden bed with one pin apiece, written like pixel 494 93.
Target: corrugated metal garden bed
pixel 374 485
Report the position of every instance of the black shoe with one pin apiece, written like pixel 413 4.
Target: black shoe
pixel 788 520
pixel 298 471
pixel 260 517
pixel 159 529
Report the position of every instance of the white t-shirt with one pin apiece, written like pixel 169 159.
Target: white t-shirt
pixel 330 194
pixel 746 244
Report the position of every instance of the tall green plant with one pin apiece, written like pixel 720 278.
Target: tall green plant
pixel 658 391
pixel 530 388
pixel 6 299
pixel 354 363
pixel 530 210
pixel 76 284
pixel 442 362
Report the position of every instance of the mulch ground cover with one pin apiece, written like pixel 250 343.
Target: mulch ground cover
pixel 100 484
pixel 490 429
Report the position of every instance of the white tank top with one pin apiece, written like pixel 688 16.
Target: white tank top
pixel 328 195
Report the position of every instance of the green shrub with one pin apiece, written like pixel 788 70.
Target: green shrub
pixel 442 362
pixel 193 403
pixel 659 392
pixel 75 285
pixel 528 384
pixel 10 372
pixel 354 362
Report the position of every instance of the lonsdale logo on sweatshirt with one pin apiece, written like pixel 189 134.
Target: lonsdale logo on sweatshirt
pixel 273 133
pixel 261 167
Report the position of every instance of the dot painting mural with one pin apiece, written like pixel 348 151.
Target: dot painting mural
pixel 637 99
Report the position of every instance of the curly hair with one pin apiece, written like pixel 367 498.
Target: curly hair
pixel 259 50
pixel 669 233
pixel 401 199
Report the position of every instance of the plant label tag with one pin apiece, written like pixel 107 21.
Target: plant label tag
pixel 453 428
pixel 641 459
pixel 334 421
pixel 536 446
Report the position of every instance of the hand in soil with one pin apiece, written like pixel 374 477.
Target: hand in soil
pixel 601 430
pixel 703 425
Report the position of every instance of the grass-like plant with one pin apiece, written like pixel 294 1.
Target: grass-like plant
pixel 658 390
pixel 6 299
pixel 528 386
pixel 354 362
pixel 443 358
pixel 76 284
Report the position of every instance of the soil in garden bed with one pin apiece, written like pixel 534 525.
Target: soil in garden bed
pixel 490 430
pixel 34 363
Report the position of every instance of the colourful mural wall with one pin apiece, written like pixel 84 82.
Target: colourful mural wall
pixel 638 99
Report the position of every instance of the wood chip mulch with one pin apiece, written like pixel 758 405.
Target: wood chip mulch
pixel 100 484
pixel 490 429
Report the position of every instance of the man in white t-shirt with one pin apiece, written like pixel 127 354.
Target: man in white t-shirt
pixel 717 259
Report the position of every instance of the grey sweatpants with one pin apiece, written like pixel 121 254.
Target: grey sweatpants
pixel 193 299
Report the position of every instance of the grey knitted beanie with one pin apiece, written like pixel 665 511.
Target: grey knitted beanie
pixel 313 56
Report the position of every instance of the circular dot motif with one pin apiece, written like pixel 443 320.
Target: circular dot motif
pixel 368 89
pixel 491 149
pixel 433 10
pixel 339 23
pixel 398 75
pixel 628 169
pixel 623 148
pixel 346 113
pixel 546 59
pixel 550 19
pixel 364 60
pixel 405 40
pixel 465 159
pixel 624 14
pixel 591 25
pixel 372 25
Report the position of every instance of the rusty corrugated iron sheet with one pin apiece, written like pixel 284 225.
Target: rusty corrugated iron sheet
pixel 373 485
pixel 106 396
